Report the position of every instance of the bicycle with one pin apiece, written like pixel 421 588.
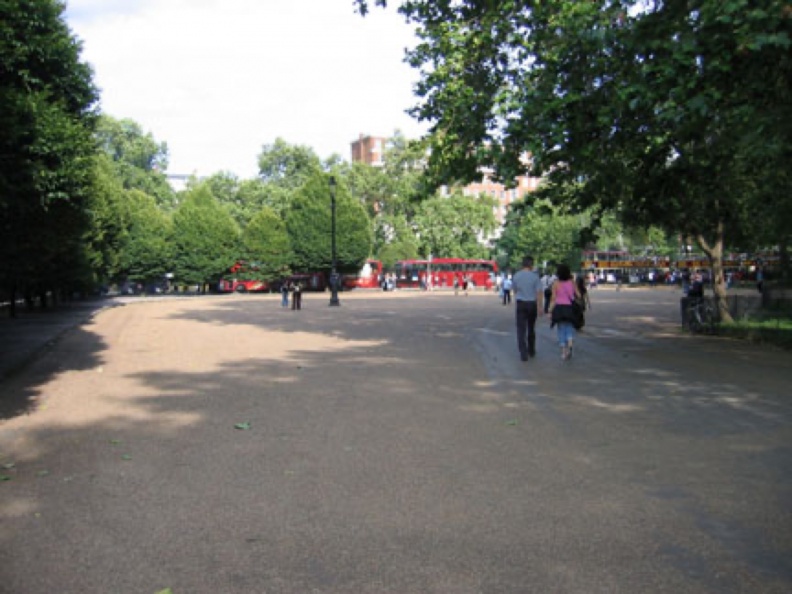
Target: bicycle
pixel 701 316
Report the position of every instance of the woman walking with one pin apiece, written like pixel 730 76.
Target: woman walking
pixel 564 317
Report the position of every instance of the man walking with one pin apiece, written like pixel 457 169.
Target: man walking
pixel 528 293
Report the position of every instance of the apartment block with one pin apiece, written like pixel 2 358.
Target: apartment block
pixel 369 149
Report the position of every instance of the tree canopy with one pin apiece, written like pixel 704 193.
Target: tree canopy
pixel 676 114
pixel 47 115
pixel 309 225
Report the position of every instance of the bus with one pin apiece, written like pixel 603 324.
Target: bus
pixel 232 283
pixel 615 266
pixel 442 272
pixel 367 278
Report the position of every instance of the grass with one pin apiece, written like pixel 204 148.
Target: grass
pixel 767 327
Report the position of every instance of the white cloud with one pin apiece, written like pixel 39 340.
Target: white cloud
pixel 217 79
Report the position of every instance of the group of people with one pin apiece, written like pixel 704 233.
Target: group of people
pixel 295 289
pixel 560 295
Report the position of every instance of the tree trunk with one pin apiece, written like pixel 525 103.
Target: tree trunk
pixel 714 252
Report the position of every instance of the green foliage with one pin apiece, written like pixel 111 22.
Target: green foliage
pixel 206 239
pixel 46 117
pixel 670 114
pixel 266 246
pixel 542 230
pixel 450 227
pixel 107 234
pixel 308 222
pixel 149 250
pixel 287 166
pixel 139 160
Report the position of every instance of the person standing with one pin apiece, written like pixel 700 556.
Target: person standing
pixel 284 294
pixel 297 296
pixel 547 284
pixel 564 294
pixel 507 290
pixel 528 295
pixel 585 300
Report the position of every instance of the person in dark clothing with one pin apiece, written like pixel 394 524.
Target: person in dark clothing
pixel 297 296
pixel 528 295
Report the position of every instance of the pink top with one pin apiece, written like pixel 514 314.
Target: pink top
pixel 565 292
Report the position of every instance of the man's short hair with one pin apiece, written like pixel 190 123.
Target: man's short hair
pixel 528 262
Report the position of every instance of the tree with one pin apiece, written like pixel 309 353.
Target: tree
pixel 139 160
pixel 539 228
pixel 287 166
pixel 148 252
pixel 668 113
pixel 308 222
pixel 108 233
pixel 266 246
pixel 452 227
pixel 206 239
pixel 47 99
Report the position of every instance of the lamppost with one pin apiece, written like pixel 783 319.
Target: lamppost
pixel 334 275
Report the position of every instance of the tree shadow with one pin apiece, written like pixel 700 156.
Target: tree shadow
pixel 29 352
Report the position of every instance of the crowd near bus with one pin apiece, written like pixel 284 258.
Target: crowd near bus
pixel 596 267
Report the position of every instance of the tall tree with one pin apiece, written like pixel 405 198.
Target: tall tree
pixel 455 226
pixel 661 111
pixel 309 225
pixel 206 239
pixel 266 245
pixel 542 230
pixel 47 100
pixel 148 252
pixel 139 160
pixel 287 165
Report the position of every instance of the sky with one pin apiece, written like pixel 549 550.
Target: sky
pixel 218 79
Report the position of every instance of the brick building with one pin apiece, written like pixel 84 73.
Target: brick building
pixel 369 149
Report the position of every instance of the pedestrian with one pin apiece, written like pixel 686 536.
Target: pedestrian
pixel 585 300
pixel 547 285
pixel 528 294
pixel 465 284
pixel 507 290
pixel 564 317
pixel 284 294
pixel 297 296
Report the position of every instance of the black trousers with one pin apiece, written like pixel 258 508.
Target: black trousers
pixel 527 313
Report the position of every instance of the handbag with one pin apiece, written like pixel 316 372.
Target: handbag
pixel 579 317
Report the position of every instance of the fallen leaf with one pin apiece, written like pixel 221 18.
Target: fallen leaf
pixel 244 426
pixel 165 591
pixel 4 477
pixel 126 457
pixel 512 423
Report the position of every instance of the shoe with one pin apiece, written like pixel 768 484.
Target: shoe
pixel 532 354
pixel 569 353
pixel 523 357
pixel 564 354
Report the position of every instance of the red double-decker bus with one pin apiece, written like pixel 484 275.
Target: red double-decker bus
pixel 368 278
pixel 441 272
pixel 237 281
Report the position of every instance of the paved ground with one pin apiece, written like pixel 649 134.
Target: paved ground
pixel 394 444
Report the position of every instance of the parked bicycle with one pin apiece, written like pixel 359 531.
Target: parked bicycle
pixel 701 316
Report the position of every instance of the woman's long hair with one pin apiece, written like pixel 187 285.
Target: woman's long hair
pixel 563 273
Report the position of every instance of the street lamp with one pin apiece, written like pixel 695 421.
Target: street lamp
pixel 334 274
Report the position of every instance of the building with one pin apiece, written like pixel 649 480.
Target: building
pixel 504 196
pixel 369 150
